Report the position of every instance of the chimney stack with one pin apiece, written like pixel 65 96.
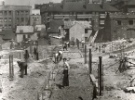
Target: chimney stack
pixel 102 3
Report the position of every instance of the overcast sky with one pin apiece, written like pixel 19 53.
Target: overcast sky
pixel 27 2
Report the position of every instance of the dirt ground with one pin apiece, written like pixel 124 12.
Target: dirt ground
pixel 27 88
pixel 24 88
pixel 114 82
pixel 79 84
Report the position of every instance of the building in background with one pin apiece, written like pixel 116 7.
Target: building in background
pixel 12 16
pixel 118 26
pixel 80 30
pixel 24 33
pixel 81 11
pixel 124 5
pixel 35 17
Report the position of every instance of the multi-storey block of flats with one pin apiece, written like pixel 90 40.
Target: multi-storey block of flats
pixel 12 16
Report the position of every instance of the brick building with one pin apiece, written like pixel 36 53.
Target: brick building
pixel 124 5
pixel 12 16
pixel 76 11
pixel 118 26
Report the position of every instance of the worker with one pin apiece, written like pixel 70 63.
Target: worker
pixel 26 56
pixel 65 63
pixel 56 54
pixel 65 46
pixel 60 55
pixel 35 53
pixel 65 73
pixel 23 67
pixel 23 64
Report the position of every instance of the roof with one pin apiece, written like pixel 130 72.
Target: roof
pixel 35 12
pixel 40 27
pixel 130 2
pixel 54 25
pixel 79 7
pixel 24 29
pixel 122 15
pixel 8 34
pixel 127 2
pixel 69 24
pixel 100 36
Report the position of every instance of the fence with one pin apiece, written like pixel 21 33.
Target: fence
pixel 98 85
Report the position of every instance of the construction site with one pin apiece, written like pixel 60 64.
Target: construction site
pixel 102 71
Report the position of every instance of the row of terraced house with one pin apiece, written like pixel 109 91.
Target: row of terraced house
pixel 114 19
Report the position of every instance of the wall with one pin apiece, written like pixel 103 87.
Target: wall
pixel 19 38
pixel 11 15
pixel 96 17
pixel 76 31
pixel 35 12
pixel 34 37
pixel 124 30
pixel 35 20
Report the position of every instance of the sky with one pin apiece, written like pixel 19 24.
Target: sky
pixel 27 2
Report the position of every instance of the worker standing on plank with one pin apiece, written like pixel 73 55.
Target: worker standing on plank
pixel 60 55
pixel 65 72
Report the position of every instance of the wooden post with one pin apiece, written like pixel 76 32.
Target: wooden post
pixel 85 54
pixel 90 62
pixel 11 69
pixel 100 80
pixel 77 42
pixel 37 55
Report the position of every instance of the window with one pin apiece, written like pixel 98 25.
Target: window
pixel 130 22
pixel 17 12
pixel 10 13
pixel 37 19
pixel 10 19
pixel 22 12
pixel 119 22
pixel 5 19
pixel 102 22
pixel 86 30
pixel 22 19
pixel 24 37
pixel 26 12
pixel 28 35
pixel 5 12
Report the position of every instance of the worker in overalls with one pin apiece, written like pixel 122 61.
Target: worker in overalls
pixel 66 67
pixel 23 65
